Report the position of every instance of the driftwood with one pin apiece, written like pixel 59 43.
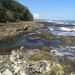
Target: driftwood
pixel 25 28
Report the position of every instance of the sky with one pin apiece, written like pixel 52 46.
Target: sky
pixel 51 9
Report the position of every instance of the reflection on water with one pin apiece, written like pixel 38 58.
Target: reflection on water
pixel 56 43
pixel 24 40
pixel 29 40
pixel 20 41
pixel 6 45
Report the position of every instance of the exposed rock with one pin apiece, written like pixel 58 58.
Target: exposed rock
pixel 16 68
pixel 7 72
pixel 22 73
pixel 9 30
pixel 66 40
pixel 34 62
pixel 57 69
pixel 1 74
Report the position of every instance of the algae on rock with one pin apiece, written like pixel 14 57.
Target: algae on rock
pixel 55 69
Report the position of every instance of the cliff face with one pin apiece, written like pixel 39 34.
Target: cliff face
pixel 11 10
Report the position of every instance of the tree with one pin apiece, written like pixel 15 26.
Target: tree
pixel 11 10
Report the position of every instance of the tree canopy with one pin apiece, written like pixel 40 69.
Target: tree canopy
pixel 11 10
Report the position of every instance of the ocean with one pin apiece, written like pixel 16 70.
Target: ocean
pixel 68 30
pixel 67 21
pixel 62 21
pixel 65 28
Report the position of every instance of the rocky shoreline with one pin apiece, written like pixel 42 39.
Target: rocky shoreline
pixel 10 30
pixel 34 62
pixel 39 61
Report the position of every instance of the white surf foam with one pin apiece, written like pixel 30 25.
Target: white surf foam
pixel 59 22
pixel 63 33
pixel 73 23
pixel 66 29
pixel 50 21
pixel 51 29
pixel 64 52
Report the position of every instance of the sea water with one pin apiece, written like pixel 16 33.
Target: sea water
pixel 67 52
pixel 62 21
pixel 66 27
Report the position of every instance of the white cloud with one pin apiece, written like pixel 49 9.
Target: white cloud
pixel 36 16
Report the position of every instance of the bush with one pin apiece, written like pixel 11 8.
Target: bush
pixel 11 10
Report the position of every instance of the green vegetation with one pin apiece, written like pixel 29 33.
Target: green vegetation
pixel 11 10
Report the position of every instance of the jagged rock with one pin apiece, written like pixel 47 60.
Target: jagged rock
pixel 22 47
pixel 22 73
pixel 16 68
pixel 72 73
pixel 7 72
pixel 57 69
pixel 1 74
pixel 12 56
pixel 45 63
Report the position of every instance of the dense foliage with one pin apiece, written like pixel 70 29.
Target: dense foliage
pixel 11 10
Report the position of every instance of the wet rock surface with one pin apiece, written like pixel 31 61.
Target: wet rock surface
pixel 34 62
pixel 17 28
pixel 41 60
pixel 66 40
